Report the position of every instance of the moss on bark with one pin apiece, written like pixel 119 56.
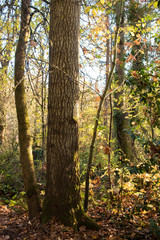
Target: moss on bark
pixel 75 218
pixel 26 158
pixel 84 220
pixel 124 140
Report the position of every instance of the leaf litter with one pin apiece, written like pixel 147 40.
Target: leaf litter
pixel 15 226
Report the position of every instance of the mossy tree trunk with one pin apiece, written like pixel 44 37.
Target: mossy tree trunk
pixel 121 121
pixel 26 157
pixel 62 198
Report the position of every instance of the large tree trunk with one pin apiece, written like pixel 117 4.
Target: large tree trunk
pixel 26 158
pixel 62 199
pixel 121 121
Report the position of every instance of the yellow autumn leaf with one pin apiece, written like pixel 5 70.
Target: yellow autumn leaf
pixel 157 175
pixel 87 9
pixel 102 1
pixel 94 12
pixel 142 52
pixel 98 20
pixel 144 212
pixel 150 4
pixel 91 192
pixel 155 4
pixel 96 30
pixel 115 211
pixel 142 191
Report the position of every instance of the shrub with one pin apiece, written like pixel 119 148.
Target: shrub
pixel 10 173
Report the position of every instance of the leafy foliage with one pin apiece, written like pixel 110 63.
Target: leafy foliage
pixel 11 175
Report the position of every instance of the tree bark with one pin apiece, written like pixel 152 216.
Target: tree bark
pixel 2 118
pixel 62 198
pixel 26 157
pixel 111 108
pixel 121 122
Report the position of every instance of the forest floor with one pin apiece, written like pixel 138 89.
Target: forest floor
pixel 16 225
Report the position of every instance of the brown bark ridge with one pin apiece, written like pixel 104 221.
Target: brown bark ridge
pixel 121 121
pixel 26 157
pixel 62 199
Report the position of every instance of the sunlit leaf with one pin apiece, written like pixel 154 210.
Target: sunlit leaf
pixel 87 9
pixel 155 4
pixel 102 1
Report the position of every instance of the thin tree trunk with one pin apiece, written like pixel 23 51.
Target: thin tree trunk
pixel 98 113
pixel 109 135
pixel 110 101
pixel 2 118
pixel 109 144
pixel 106 105
pixel 3 75
pixel 43 124
pixel 26 157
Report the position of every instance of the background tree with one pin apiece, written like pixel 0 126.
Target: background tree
pixel 25 142
pixel 8 19
pixel 121 120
